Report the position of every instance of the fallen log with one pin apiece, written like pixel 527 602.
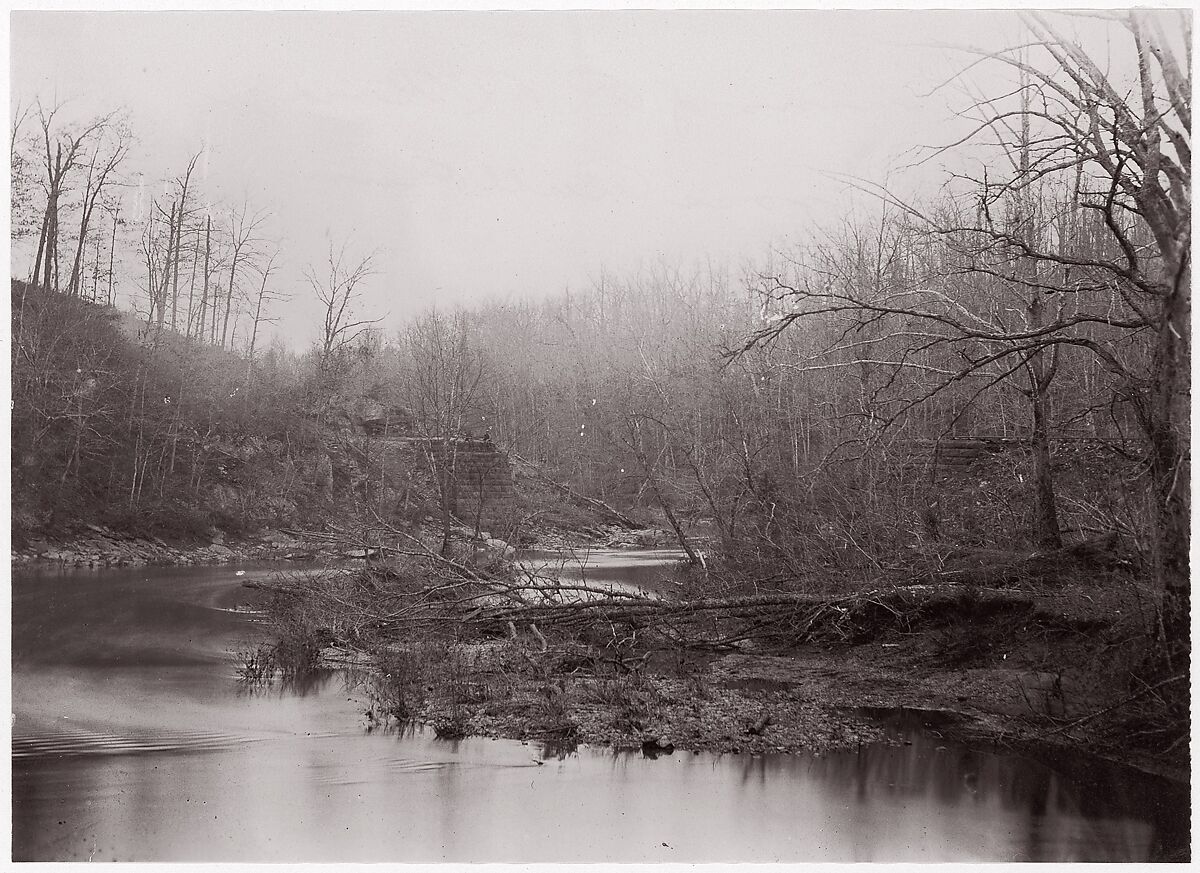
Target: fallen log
pixel 1077 560
pixel 438 594
pixel 800 617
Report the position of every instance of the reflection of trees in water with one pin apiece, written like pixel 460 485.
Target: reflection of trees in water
pixel 1062 821
pixel 298 684
pixel 309 682
pixel 559 750
pixel 754 769
pixel 1108 793
pixel 403 730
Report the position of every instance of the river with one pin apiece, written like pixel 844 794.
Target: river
pixel 132 741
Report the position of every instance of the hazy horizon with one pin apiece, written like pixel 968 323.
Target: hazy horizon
pixel 511 154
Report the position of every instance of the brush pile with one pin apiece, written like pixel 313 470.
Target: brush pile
pixel 414 592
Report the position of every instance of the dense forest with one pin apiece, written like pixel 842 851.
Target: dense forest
pixel 798 421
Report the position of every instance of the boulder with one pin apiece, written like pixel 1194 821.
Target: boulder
pixel 369 415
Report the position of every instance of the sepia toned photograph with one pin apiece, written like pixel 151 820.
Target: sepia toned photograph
pixel 600 436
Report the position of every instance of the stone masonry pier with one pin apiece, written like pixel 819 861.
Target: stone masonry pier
pixel 481 491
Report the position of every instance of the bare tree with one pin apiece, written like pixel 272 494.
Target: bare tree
pixel 1065 125
pixel 265 296
pixel 20 113
pixel 156 254
pixel 444 378
pixel 336 286
pixel 62 150
pixel 114 211
pixel 21 174
pixel 182 183
pixel 243 227
pixel 101 170
pixel 1130 148
pixel 205 299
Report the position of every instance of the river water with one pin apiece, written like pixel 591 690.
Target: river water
pixel 133 741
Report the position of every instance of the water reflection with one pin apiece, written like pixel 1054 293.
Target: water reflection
pixel 1037 815
pixel 300 683
pixel 132 741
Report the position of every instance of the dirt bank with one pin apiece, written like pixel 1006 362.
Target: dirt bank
pixel 1050 651
pixel 1042 678
pixel 99 546
pixel 812 699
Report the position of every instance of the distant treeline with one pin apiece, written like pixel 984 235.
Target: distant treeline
pixel 1047 295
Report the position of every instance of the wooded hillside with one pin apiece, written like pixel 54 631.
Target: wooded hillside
pixel 807 415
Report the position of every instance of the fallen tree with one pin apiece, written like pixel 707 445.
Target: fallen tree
pixel 411 589
pixel 992 567
pixel 498 649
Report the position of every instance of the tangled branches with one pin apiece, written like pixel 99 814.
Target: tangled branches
pixel 420 594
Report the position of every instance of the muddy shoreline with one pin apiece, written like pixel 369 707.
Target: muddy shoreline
pixel 97 546
pixel 1038 664
pixel 812 700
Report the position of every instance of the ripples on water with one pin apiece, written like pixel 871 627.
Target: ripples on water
pixel 132 741
pixel 81 741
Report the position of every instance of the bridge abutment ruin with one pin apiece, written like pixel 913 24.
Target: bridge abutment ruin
pixel 481 490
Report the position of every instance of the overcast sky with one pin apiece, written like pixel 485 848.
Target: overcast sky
pixel 513 153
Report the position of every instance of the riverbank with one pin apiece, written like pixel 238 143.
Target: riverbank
pixel 97 647
pixel 95 545
pixel 813 699
pixel 1052 666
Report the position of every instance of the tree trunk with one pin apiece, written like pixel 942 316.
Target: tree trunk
pixel 175 279
pixel 204 291
pixel 85 215
pixel 51 238
pixel 663 501
pixel 54 252
pixel 166 273
pixel 445 486
pixel 262 291
pixel 183 192
pixel 1046 531
pixel 150 283
pixel 1171 464
pixel 96 270
pixel 54 172
pixel 172 259
pixel 112 254
pixel 42 236
pixel 229 297
pixel 191 307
